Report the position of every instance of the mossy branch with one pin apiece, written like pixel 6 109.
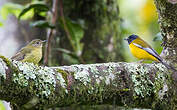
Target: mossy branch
pixel 31 86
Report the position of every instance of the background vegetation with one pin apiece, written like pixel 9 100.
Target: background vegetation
pixel 81 31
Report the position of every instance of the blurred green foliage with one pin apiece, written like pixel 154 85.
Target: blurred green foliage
pixel 140 18
pixel 2 106
pixel 77 33
pixel 1 24
pixel 42 24
pixel 94 30
pixel 14 9
pixel 37 7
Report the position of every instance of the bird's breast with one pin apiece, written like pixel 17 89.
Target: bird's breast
pixel 140 53
pixel 34 56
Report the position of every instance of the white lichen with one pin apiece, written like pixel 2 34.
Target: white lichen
pixel 109 77
pixel 84 72
pixel 161 67
pixel 82 75
pixel 140 80
pixel 43 77
pixel 3 68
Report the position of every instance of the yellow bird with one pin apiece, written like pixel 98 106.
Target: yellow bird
pixel 31 53
pixel 143 51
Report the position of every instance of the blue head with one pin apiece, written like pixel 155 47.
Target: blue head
pixel 131 38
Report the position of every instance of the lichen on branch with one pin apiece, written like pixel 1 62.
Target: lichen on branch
pixel 104 83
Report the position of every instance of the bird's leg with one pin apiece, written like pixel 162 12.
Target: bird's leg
pixel 155 62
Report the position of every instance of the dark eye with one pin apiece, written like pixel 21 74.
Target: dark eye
pixel 37 43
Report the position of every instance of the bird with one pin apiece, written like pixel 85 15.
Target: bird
pixel 31 53
pixel 143 51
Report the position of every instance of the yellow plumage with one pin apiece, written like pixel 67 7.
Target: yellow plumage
pixel 31 53
pixel 34 56
pixel 140 53
pixel 142 50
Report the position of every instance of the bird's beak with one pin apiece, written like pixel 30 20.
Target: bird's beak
pixel 125 38
pixel 44 41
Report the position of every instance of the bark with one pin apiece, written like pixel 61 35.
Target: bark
pixel 168 24
pixel 167 11
pixel 102 30
pixel 29 86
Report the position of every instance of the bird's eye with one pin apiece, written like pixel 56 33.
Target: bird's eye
pixel 37 43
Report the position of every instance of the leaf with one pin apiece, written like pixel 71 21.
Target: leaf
pixel 76 32
pixel 67 52
pixel 10 8
pixel 69 58
pixel 42 24
pixel 39 6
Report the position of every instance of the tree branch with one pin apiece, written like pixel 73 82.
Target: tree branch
pixel 108 83
pixel 50 32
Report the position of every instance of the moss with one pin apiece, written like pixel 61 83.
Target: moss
pixel 62 81
pixel 9 64
pixel 33 81
pixel 90 87
pixel 125 90
pixel 161 88
pixel 142 85
pixel 6 60
pixel 86 73
pixel 160 78
pixel 3 68
pixel 93 84
pixel 43 78
pixel 64 74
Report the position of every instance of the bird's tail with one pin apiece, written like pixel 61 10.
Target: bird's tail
pixel 168 66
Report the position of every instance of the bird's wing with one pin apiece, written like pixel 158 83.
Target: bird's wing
pixel 149 50
pixel 21 54
pixel 18 56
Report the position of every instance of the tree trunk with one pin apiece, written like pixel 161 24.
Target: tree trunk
pixel 167 11
pixel 168 24
pixel 101 22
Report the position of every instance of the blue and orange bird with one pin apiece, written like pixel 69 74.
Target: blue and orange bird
pixel 143 51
